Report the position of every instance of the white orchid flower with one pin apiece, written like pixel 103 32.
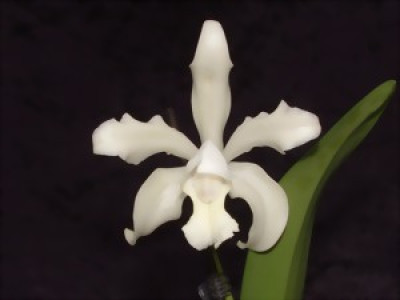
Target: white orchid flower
pixel 210 173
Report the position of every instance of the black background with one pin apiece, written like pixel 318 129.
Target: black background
pixel 67 67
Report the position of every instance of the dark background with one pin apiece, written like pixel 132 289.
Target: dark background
pixel 67 67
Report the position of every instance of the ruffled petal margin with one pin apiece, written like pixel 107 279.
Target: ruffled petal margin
pixel 134 141
pixel 284 129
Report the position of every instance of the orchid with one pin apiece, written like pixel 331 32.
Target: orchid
pixel 210 174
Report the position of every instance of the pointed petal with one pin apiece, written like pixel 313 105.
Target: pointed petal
pixel 267 201
pixel 211 97
pixel 210 224
pixel 134 141
pixel 158 201
pixel 286 128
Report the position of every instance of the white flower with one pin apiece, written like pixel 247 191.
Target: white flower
pixel 210 173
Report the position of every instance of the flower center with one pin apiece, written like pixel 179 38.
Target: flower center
pixel 206 188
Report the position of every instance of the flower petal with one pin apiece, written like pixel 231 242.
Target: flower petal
pixel 286 128
pixel 210 224
pixel 267 201
pixel 134 141
pixel 158 201
pixel 211 96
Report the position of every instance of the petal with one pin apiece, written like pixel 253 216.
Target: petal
pixel 267 201
pixel 158 201
pixel 211 97
pixel 210 224
pixel 134 141
pixel 286 128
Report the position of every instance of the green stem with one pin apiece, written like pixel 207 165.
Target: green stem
pixel 217 261
pixel 220 270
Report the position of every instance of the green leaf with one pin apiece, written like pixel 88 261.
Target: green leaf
pixel 279 274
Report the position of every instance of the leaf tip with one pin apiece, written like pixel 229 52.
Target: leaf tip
pixel 389 86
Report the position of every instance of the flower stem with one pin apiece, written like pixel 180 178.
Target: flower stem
pixel 217 261
pixel 220 270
